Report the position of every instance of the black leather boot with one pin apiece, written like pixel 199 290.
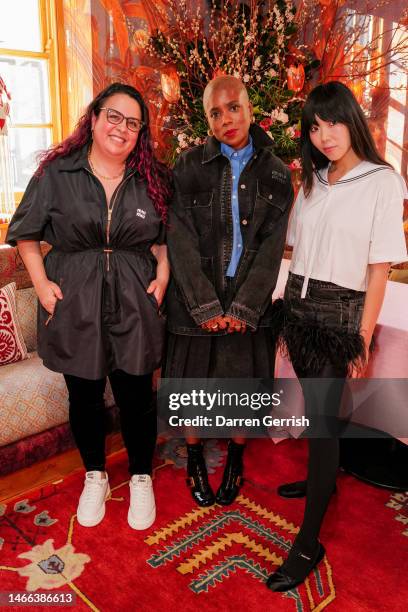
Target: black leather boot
pixel 232 479
pixel 197 477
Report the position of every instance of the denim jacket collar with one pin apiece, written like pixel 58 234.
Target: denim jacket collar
pixel 212 147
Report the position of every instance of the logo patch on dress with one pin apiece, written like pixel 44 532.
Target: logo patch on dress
pixel 141 213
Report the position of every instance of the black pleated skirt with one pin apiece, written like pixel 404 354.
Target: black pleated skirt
pixel 249 355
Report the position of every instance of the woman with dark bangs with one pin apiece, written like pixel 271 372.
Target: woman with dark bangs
pixel 100 199
pixel 346 229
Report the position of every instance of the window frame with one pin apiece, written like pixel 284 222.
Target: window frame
pixel 50 14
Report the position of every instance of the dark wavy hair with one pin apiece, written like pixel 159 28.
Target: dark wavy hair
pixel 334 101
pixel 141 158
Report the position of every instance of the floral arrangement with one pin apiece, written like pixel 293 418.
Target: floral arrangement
pixel 280 53
pixel 252 42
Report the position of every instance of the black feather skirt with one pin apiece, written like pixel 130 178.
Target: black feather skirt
pixel 320 329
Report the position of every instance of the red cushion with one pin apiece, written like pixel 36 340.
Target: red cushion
pixel 12 345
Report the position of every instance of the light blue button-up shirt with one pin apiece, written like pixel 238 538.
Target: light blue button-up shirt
pixel 238 160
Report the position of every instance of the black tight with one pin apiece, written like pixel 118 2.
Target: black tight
pixel 322 405
pixel 133 396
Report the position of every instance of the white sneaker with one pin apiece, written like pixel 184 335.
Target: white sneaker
pixel 91 505
pixel 142 507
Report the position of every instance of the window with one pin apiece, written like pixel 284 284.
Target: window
pixel 397 125
pixel 28 54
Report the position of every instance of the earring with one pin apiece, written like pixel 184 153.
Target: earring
pixel 210 132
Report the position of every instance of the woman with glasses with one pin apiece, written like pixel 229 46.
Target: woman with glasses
pixel 100 199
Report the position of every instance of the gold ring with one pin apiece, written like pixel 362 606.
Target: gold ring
pixel 214 326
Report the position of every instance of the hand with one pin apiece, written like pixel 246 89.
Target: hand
pixel 158 287
pixel 48 293
pixel 359 370
pixel 235 325
pixel 215 324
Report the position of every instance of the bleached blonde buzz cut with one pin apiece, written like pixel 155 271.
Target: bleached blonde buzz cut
pixel 223 82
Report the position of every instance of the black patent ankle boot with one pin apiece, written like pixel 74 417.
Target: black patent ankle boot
pixel 197 477
pixel 232 479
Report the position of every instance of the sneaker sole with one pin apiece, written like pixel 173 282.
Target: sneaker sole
pixel 95 521
pixel 143 524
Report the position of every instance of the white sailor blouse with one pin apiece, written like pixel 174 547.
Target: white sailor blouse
pixel 341 228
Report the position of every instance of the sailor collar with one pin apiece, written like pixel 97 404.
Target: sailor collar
pixel 360 171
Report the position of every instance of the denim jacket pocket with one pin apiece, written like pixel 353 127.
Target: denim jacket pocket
pixel 271 195
pixel 201 206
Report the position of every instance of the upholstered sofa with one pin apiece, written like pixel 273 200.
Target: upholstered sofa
pixel 33 400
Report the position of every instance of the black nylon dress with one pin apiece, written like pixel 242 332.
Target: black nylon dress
pixel 106 320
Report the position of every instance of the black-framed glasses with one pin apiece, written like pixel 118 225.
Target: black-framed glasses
pixel 116 117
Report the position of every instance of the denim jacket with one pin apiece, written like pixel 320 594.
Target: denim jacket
pixel 200 236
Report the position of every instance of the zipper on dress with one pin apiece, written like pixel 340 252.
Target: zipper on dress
pixel 110 211
pixel 110 206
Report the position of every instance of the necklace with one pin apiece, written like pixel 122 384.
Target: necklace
pixel 95 171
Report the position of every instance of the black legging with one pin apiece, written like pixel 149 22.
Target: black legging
pixel 133 396
pixel 322 406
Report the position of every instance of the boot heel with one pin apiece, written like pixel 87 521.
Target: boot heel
pixel 197 476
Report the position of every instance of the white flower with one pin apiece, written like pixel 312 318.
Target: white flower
pixel 283 117
pixel 236 74
pixel 197 141
pixel 257 63
pixel 291 131
pixel 272 72
pixel 279 115
pixel 246 78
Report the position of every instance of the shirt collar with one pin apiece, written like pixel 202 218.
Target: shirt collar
pixel 361 170
pixel 78 160
pixel 212 147
pixel 240 154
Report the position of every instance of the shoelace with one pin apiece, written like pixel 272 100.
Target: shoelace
pixel 92 488
pixel 142 489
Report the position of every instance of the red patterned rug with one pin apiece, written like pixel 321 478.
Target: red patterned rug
pixel 207 558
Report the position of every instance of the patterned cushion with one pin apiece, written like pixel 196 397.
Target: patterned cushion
pixel 26 300
pixel 32 399
pixel 12 345
pixel 12 268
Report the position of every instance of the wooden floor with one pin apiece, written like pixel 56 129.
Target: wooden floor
pixel 49 471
